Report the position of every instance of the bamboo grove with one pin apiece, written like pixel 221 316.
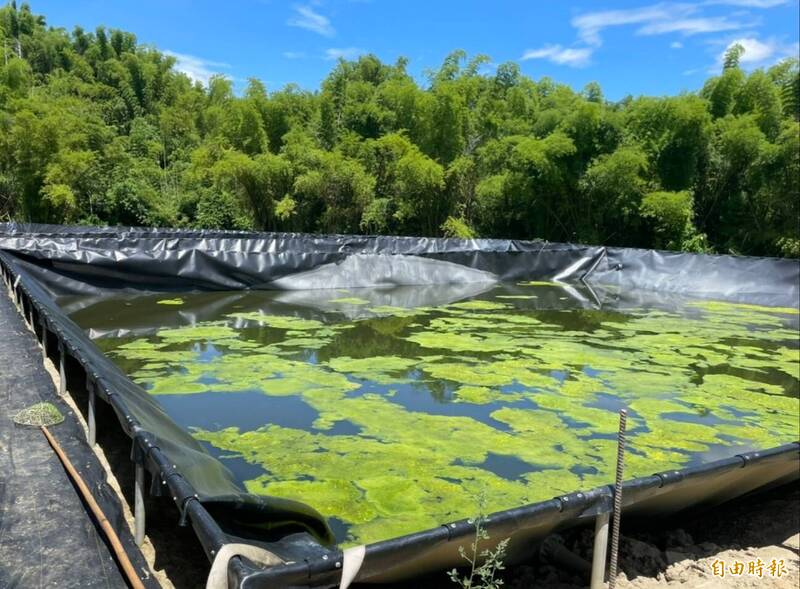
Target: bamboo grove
pixel 98 129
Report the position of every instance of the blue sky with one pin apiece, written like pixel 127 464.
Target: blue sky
pixel 628 47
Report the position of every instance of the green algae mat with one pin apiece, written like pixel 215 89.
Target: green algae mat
pixel 391 419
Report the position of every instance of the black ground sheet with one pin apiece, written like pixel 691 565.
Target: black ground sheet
pixel 47 536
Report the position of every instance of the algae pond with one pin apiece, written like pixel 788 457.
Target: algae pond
pixel 391 411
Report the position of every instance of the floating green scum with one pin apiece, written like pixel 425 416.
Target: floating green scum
pixel 394 421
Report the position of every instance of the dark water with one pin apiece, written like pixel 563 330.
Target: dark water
pixel 391 411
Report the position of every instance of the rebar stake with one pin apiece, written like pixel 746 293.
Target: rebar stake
pixel 612 566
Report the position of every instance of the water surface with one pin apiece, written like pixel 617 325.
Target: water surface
pixel 392 411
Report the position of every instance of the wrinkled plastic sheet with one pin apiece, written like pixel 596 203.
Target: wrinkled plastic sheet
pixel 88 257
pixel 54 263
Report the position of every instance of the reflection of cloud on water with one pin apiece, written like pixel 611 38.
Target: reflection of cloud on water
pixel 406 297
pixel 119 315
pixel 722 451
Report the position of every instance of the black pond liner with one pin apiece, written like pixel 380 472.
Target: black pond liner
pixel 46 261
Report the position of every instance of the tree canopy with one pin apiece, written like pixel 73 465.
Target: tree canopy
pixel 96 128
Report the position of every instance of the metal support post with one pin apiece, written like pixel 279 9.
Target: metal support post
pixel 62 369
pixel 92 437
pixel 138 505
pixel 600 551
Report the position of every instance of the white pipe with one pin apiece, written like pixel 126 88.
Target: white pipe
pixel 138 505
pixel 600 551
pixel 62 370
pixel 91 418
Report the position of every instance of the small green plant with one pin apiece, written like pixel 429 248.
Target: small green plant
pixel 484 564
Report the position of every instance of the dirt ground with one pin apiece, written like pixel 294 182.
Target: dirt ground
pixel 682 554
pixel 763 528
pixel 187 572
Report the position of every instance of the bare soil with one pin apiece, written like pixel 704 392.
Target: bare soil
pixel 680 552
pixel 173 553
pixel 684 552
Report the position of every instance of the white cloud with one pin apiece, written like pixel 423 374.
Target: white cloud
pixel 692 26
pixel 758 53
pixel 306 18
pixel 748 3
pixel 660 19
pixel 343 52
pixel 591 24
pixel 571 56
pixel 197 68
pixel 754 50
pixel 683 18
pixel 294 54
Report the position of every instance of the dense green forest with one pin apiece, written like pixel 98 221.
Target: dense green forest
pixel 95 128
